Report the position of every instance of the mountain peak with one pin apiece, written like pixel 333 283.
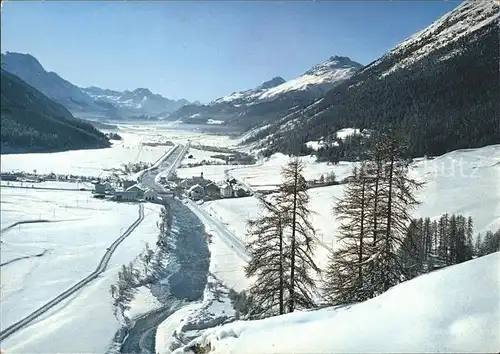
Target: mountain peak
pixel 12 60
pixel 339 58
pixel 334 62
pixel 143 91
pixel 275 81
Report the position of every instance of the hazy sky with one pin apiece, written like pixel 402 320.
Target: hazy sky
pixel 203 50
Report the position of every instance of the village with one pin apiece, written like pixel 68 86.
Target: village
pixel 199 188
pixel 121 186
pixel 119 189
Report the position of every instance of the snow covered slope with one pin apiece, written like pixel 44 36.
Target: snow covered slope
pixel 320 78
pixel 274 98
pixel 250 95
pixel 83 323
pixel 448 311
pixel 468 17
pixel 29 69
pixel 460 182
pixel 440 87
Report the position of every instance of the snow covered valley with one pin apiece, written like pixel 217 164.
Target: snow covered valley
pixel 191 303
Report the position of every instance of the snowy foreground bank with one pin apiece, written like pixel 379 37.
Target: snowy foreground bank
pixel 448 311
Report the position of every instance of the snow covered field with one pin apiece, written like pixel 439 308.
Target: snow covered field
pixel 179 134
pixel 464 182
pixel 225 263
pixel 200 155
pixel 450 311
pixel 94 162
pixel 266 173
pixel 100 162
pixel 269 172
pixel 74 243
pixel 50 184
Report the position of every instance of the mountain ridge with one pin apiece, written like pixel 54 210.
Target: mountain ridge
pixel 102 103
pixel 140 101
pixel 274 98
pixel 439 93
pixel 32 122
pixel 31 71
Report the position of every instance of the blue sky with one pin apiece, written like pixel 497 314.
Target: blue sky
pixel 204 50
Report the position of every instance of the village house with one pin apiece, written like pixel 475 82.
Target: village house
pixel 124 196
pixel 226 190
pixel 138 190
pixel 212 191
pixel 8 177
pixel 196 192
pixel 150 194
pixel 103 188
pixel 240 192
pixel 189 182
pixel 128 183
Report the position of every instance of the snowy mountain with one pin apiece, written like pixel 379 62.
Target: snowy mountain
pixel 453 310
pixel 275 81
pixel 319 79
pixel 248 96
pixel 453 27
pixel 32 122
pixel 29 69
pixel 91 101
pixel 141 101
pixel 440 88
pixel 274 98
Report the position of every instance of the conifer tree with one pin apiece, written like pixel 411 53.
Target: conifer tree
pixel 269 263
pixel 293 200
pixel 347 272
pixel 281 249
pixel 396 200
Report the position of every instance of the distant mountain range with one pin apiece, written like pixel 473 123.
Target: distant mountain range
pixel 273 99
pixel 268 102
pixel 29 69
pixel 141 101
pixel 32 122
pixel 439 89
pixel 91 101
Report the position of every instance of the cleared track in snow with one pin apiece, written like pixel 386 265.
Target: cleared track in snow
pixel 101 267
pixel 234 242
pixel 23 222
pixel 23 257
